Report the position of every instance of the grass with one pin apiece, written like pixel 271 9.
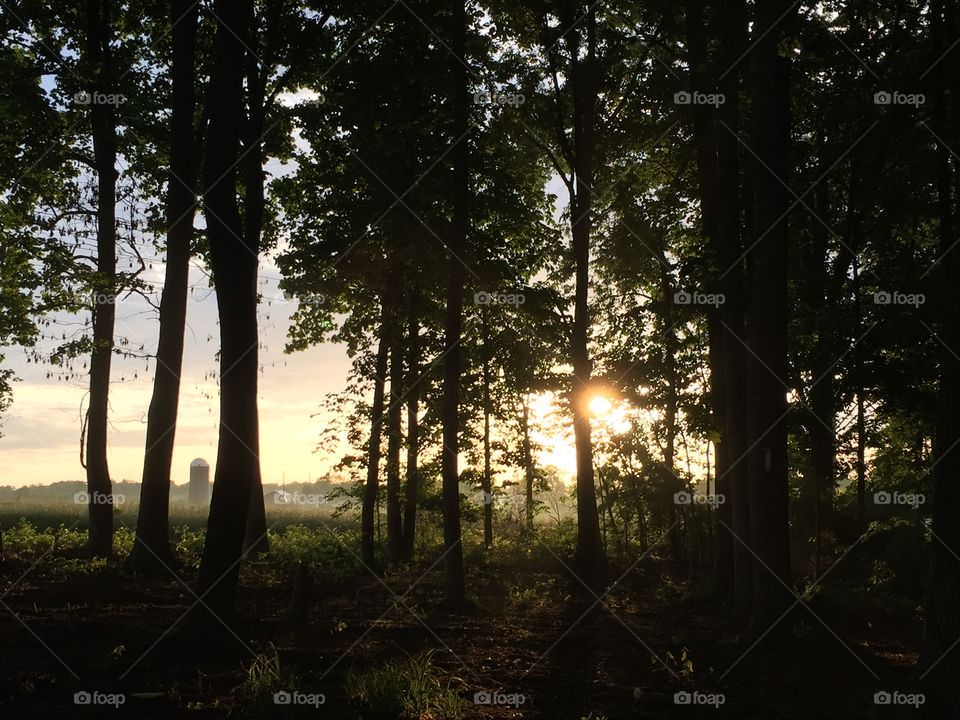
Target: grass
pixel 412 688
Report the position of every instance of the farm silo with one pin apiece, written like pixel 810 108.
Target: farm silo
pixel 199 488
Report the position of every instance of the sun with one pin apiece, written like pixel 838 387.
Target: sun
pixel 600 406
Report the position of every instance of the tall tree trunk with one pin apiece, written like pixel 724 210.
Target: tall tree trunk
pixel 767 365
pixel 528 470
pixel 822 404
pixel 153 540
pixel 939 662
pixel 394 422
pixel 251 166
pixel 591 560
pixel 371 489
pixel 733 29
pixel 453 362
pixel 103 121
pixel 234 266
pixel 411 490
pixel 719 178
pixel 861 411
pixel 672 483
pixel 861 463
pixel 487 480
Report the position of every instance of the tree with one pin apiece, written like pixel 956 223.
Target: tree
pixel 456 278
pixel 152 544
pixel 394 430
pixel 412 393
pixel 938 663
pixel 767 319
pixel 98 57
pixel 585 76
pixel 372 487
pixel 721 207
pixel 234 266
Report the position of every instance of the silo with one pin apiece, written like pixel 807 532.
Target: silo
pixel 199 488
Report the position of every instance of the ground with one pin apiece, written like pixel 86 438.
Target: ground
pixel 70 625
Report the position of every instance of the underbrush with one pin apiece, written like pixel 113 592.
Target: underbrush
pixel 412 688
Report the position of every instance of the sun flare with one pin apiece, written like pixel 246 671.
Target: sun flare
pixel 600 406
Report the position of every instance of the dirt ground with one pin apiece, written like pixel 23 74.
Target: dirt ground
pixel 565 654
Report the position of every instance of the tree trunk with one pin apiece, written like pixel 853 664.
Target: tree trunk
pixel 591 560
pixel 372 487
pixel 719 177
pixel 939 662
pixel 861 413
pixel 153 543
pixel 822 403
pixel 413 431
pixel 394 422
pixel 234 266
pixel 487 480
pixel 673 484
pixel 452 366
pixel 251 166
pixel 861 464
pixel 767 363
pixel 528 472
pixel 103 121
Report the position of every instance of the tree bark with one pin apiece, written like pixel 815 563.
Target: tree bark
pixel 672 483
pixel 413 431
pixel 394 422
pixel 767 363
pixel 251 167
pixel 591 560
pixel 939 661
pixel 372 486
pixel 528 470
pixel 103 121
pixel 733 28
pixel 234 266
pixel 153 541
pixel 453 363
pixel 487 479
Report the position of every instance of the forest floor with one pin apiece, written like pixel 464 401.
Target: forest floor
pixel 539 643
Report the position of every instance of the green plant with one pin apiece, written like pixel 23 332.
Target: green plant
pixel 680 665
pixel 264 678
pixel 410 687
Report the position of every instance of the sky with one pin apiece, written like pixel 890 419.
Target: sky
pixel 41 431
pixel 41 441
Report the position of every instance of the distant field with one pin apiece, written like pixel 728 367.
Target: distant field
pixel 51 515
